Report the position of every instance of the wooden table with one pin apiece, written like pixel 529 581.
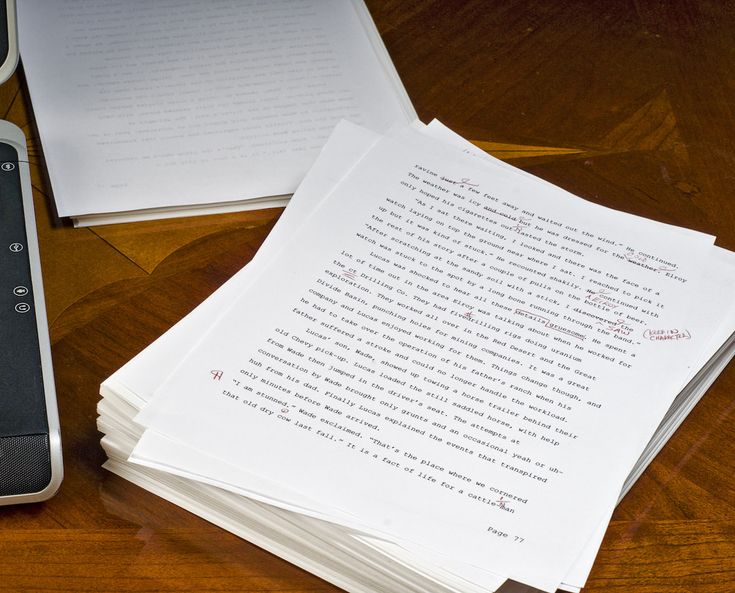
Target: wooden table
pixel 628 103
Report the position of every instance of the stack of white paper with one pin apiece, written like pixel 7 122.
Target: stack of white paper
pixel 151 110
pixel 430 358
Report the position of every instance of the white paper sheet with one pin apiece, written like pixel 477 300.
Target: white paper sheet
pixel 634 265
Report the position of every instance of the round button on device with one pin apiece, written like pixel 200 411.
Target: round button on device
pixel 22 307
pixel 20 291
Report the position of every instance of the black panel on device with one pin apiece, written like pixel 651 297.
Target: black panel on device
pixel 22 406
pixel 30 454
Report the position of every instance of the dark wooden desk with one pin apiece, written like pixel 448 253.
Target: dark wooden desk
pixel 628 103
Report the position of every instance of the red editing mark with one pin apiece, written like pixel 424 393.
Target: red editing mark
pixel 521 224
pixel 600 299
pixel 663 335
pixel 465 181
pixel 619 326
pixel 216 375
pixel 468 315
pixel 351 274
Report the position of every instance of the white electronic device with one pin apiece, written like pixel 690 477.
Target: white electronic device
pixel 8 39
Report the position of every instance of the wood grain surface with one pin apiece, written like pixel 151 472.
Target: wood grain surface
pixel 627 103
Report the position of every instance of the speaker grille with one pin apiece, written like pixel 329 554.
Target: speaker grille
pixel 25 464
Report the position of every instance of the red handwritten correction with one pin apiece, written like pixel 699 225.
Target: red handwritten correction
pixel 667 335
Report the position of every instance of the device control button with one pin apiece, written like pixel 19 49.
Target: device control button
pixel 7 166
pixel 16 247
pixel 20 291
pixel 22 307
